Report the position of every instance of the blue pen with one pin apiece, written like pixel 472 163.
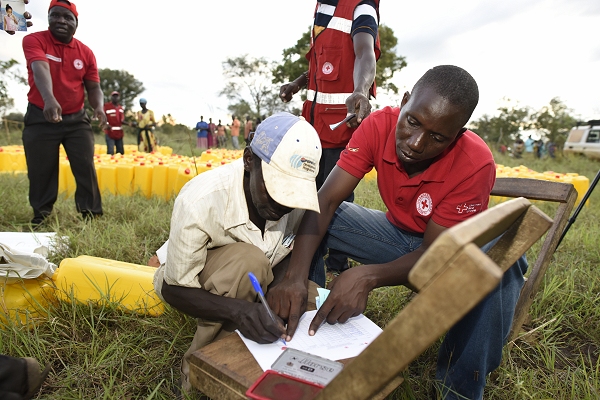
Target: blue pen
pixel 261 295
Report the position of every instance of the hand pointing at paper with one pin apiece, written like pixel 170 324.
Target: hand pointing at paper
pixel 339 307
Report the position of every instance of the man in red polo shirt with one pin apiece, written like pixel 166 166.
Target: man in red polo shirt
pixel 432 173
pixel 59 68
pixel 115 116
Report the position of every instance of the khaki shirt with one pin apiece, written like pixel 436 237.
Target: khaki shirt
pixel 211 211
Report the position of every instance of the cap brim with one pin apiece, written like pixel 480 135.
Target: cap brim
pixel 290 191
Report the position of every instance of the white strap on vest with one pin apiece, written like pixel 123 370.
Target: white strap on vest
pixel 327 98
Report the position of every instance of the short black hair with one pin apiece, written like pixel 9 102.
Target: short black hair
pixel 8 7
pixel 454 84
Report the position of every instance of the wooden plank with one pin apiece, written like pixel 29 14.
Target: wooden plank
pixel 533 189
pixel 225 369
pixel 480 229
pixel 542 262
pixel 224 363
pixel 519 238
pixel 453 293
pixel 212 386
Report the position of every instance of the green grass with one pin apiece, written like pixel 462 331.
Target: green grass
pixel 101 351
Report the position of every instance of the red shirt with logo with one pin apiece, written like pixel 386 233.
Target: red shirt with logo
pixel 456 185
pixel 70 65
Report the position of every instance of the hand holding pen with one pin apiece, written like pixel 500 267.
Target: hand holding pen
pixel 261 296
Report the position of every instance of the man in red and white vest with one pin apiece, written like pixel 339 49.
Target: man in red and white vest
pixel 114 130
pixel 340 80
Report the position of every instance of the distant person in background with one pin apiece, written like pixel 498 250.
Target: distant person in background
pixel 212 134
pixel 538 147
pixel 113 130
pixel 518 148
pixel 202 128
pixel 235 132
pixel 529 145
pixel 551 146
pixel 146 122
pixel 221 135
pixel 56 114
pixel 26 15
pixel 11 22
pixel 247 130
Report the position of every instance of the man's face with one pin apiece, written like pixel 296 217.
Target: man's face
pixel 62 23
pixel 267 208
pixel 143 105
pixel 427 125
pixel 115 98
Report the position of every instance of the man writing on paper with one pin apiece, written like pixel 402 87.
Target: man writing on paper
pixel 432 174
pixel 236 219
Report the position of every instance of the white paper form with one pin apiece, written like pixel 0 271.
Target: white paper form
pixel 335 342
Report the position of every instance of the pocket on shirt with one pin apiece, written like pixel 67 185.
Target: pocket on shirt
pixel 328 68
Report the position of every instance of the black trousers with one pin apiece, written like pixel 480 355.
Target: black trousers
pixel 41 141
pixel 335 261
pixel 13 378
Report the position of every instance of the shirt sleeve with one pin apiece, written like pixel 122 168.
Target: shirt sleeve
pixel 186 253
pixel 357 158
pixel 365 19
pixel 468 198
pixel 33 49
pixel 91 74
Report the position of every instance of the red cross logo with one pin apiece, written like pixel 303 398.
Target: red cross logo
pixel 327 68
pixel 424 204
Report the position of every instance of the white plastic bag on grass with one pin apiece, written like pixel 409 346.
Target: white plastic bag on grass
pixel 16 264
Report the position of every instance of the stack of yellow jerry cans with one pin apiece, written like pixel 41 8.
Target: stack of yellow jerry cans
pixel 161 174
pixel 580 182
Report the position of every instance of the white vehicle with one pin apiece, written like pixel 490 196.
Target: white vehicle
pixel 584 139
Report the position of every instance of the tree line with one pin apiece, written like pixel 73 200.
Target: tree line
pixel 252 89
pixel 553 122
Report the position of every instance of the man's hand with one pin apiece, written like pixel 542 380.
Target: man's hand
pixel 287 91
pixel 255 323
pixel 288 300
pixel 100 116
pixel 347 299
pixel 27 15
pixel 52 111
pixel 358 104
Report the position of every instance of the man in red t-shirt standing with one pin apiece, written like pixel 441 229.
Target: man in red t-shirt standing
pixel 114 118
pixel 59 68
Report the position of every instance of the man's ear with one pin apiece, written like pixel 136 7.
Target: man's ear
pixel 405 99
pixel 248 157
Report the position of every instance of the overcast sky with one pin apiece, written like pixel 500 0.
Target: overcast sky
pixel 527 50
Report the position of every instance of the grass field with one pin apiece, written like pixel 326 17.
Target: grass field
pixel 100 352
